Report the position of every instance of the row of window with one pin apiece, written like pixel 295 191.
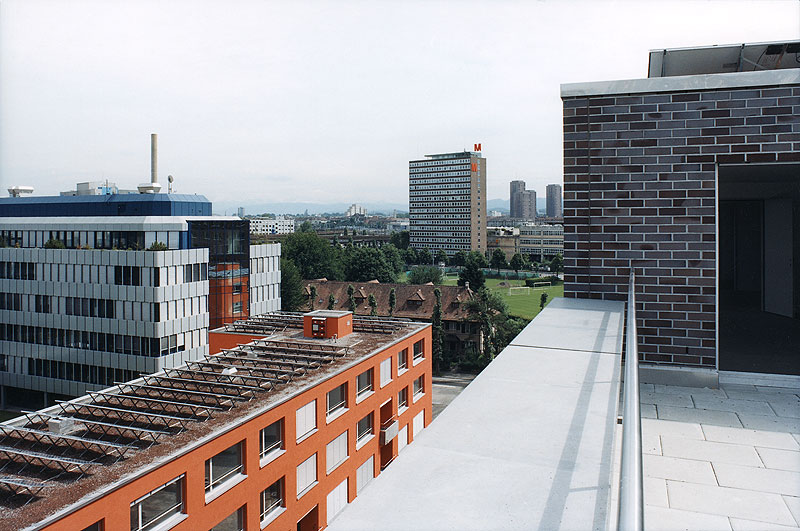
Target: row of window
pixel 77 372
pixel 121 344
pixel 18 270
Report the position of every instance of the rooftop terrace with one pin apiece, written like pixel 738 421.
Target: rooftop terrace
pixel 53 459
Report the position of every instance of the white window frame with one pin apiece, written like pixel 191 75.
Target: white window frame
pixel 268 514
pixel 268 454
pixel 402 356
pixel 418 358
pixel 402 406
pixel 338 409
pixel 361 394
pixel 168 518
pixel 363 438
pixel 215 486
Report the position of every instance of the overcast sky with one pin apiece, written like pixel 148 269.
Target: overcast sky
pixel 321 101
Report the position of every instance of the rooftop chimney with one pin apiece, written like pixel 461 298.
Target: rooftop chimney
pixel 152 187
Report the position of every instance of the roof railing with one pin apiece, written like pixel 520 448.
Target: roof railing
pixel 631 494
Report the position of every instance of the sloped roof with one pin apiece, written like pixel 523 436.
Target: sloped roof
pixel 414 301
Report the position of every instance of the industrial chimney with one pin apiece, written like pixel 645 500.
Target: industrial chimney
pixel 152 187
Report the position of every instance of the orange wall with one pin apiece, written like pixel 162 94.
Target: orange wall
pixel 114 507
pixel 334 326
pixel 220 340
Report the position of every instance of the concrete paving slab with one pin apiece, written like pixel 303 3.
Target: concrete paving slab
pixel 700 416
pixel 651 443
pixel 658 466
pixel 660 519
pixel 689 430
pixel 726 501
pixel 779 459
pixel 770 423
pixel 771 389
pixel 709 451
pixel 682 390
pixel 732 404
pixel 648 411
pixel 760 479
pixel 666 399
pixel 793 503
pixel 655 491
pixel 760 396
pixel 768 439
pixel 784 409
pixel 749 525
pixel 646 388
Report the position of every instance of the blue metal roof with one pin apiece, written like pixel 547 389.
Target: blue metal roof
pixel 106 205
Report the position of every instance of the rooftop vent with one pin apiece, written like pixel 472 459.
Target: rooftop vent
pixel 16 191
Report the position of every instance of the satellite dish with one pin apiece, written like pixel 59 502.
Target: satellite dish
pixel 169 178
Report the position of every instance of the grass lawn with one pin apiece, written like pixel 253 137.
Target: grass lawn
pixel 523 305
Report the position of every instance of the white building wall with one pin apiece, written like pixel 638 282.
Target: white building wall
pixel 265 278
pixel 271 226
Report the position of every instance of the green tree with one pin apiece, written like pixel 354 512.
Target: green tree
pixel 479 259
pixel 392 301
pixel 472 274
pixel 499 260
pixel 313 296
pixel 158 246
pixel 394 258
pixel 351 300
pixel 441 257
pixel 557 264
pixel 292 297
pixel 411 256
pixel 367 263
pixel 400 239
pixel 425 273
pixel 305 227
pixel 542 300
pixel 331 302
pixel 424 256
pixel 313 255
pixel 54 244
pixel 517 262
pixel 458 259
pixel 497 328
pixel 373 305
pixel 437 332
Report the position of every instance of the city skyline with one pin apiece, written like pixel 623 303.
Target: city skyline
pixel 291 101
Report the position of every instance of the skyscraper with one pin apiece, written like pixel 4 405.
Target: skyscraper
pixel 522 201
pixel 554 201
pixel 447 202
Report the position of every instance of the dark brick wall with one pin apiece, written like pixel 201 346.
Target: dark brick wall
pixel 639 189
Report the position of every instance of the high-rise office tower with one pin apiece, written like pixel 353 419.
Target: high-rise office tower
pixel 522 201
pixel 554 201
pixel 447 202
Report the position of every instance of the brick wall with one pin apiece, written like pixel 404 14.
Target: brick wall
pixel 639 188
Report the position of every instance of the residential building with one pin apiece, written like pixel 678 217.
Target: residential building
pixel 240 212
pixel 104 308
pixel 554 201
pixel 541 241
pixel 522 201
pixel 282 427
pixel 356 210
pixel 413 301
pixel 506 239
pixel 279 225
pixel 691 177
pixel 447 202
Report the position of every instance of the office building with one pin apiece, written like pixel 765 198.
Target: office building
pixel 542 242
pixel 108 305
pixel 691 176
pixel 279 225
pixel 554 201
pixel 355 210
pixel 447 202
pixel 522 201
pixel 289 421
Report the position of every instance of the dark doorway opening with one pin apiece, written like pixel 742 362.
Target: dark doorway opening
pixel 759 278
pixel 309 522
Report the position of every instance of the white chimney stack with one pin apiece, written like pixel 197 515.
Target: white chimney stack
pixel 152 187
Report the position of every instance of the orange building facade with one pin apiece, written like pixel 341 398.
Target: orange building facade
pixel 292 465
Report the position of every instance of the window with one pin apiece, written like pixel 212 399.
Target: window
pixel 402 360
pixel 223 467
pixel 158 506
pixel 336 452
pixel 337 500
pixel 402 398
pixel 97 526
pixel 364 383
pixel 237 307
pixel 271 439
pixel 272 499
pixel 386 371
pixel 419 386
pixel 234 522
pixel 364 428
pixel 306 475
pixel 419 352
pixel 306 419
pixel 337 400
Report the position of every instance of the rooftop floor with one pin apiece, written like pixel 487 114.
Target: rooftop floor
pixel 721 459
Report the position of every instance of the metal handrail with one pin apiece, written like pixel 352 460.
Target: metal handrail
pixel 631 495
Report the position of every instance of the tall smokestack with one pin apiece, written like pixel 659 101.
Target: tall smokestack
pixel 153 158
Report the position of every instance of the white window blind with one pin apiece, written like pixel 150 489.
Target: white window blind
pixel 306 418
pixel 386 371
pixel 364 475
pixel 402 438
pixel 306 473
pixel 336 452
pixel 419 422
pixel 337 499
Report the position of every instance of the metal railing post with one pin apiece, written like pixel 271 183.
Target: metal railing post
pixel 631 495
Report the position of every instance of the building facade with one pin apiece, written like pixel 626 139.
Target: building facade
pixel 541 241
pixel 522 202
pixel 690 177
pixel 108 306
pixel 234 441
pixel 554 201
pixel 447 202
pixel 506 239
pixel 279 225
pixel 355 210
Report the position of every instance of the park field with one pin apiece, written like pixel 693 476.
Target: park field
pixel 522 305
